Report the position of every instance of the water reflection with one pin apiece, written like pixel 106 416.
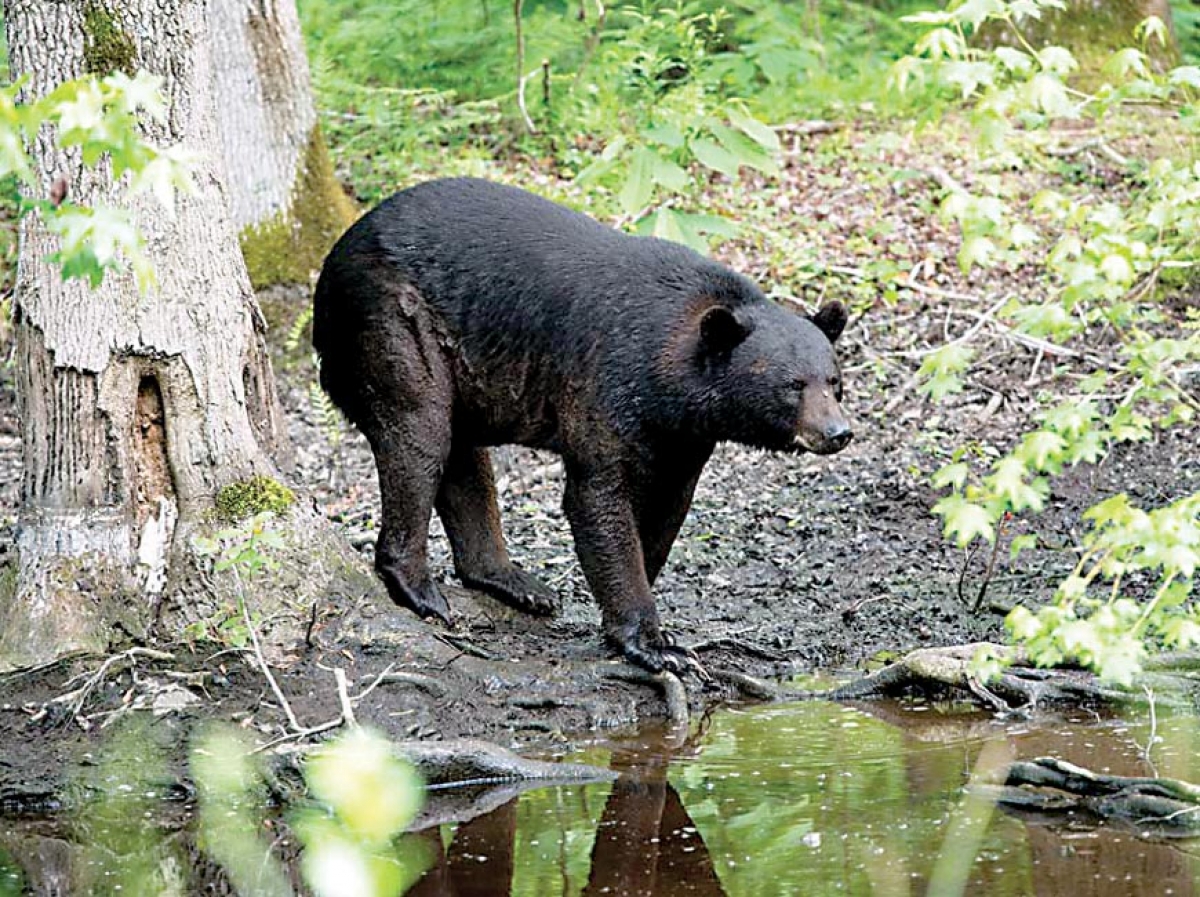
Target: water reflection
pixel 809 799
pixel 644 842
pixel 816 799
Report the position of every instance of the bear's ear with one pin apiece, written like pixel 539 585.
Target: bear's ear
pixel 721 331
pixel 831 320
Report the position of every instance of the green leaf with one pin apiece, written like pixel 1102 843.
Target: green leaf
pixel 1022 623
pixel 760 133
pixel 1046 93
pixel 974 251
pixel 1079 638
pixel 965 521
pixel 143 92
pixel 1185 76
pixel 1120 660
pixel 373 792
pixel 1180 633
pixel 669 175
pixel 712 155
pixel 968 76
pixel 975 12
pixel 82 115
pixel 904 70
pixel 710 224
pixel 1021 543
pixel 747 151
pixel 639 183
pixel 1022 235
pixel 941 369
pixel 698 229
pixel 1150 28
pixel 1116 269
pixel 667 135
pixel 1015 61
pixel 929 17
pixel 1126 62
pixel 1041 449
pixel 941 43
pixel 1008 482
pixel 1057 60
pixel 952 475
pixel 665 225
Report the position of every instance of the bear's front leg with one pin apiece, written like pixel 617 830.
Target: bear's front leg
pixel 599 507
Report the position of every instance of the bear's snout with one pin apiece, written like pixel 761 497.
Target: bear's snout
pixel 837 436
pixel 833 437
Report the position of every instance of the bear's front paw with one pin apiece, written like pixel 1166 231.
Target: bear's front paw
pixel 651 649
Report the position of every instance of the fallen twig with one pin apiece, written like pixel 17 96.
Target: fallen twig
pixel 1096 143
pixel 348 718
pixel 77 697
pixel 262 661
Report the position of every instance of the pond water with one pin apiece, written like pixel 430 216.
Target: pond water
pixel 804 799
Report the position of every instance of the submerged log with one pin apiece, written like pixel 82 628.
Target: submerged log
pixel 1158 806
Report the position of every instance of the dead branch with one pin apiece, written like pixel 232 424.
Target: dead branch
pixel 518 8
pixel 262 661
pixel 339 676
pixel 75 699
pixel 1096 143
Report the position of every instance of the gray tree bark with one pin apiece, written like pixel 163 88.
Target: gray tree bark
pixel 286 204
pixel 135 409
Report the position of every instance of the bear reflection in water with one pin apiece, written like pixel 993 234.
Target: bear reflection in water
pixel 646 843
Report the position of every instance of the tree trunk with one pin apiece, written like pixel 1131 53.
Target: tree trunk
pixel 1093 29
pixel 286 204
pixel 135 409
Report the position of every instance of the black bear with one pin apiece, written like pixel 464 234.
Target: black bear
pixel 461 314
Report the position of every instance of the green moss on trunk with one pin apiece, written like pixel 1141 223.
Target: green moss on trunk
pixel 293 244
pixel 245 498
pixel 106 47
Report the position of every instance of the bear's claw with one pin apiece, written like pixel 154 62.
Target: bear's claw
pixel 658 652
pixel 516 588
pixel 425 600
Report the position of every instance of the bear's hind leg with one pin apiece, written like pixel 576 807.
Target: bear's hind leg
pixel 467 505
pixel 408 481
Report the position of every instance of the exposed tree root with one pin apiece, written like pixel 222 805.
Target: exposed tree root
pixel 1018 687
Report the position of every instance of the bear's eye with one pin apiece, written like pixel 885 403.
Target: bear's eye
pixel 836 383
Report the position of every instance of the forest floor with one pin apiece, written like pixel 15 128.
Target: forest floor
pixel 787 565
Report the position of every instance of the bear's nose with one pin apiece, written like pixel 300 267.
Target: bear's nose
pixel 838 435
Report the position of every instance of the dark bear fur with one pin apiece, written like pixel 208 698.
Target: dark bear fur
pixel 462 314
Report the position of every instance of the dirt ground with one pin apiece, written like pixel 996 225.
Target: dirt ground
pixel 786 566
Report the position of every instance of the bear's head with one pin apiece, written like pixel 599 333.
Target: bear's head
pixel 770 377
